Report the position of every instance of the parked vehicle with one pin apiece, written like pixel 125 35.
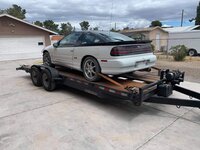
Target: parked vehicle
pixel 94 52
pixel 191 39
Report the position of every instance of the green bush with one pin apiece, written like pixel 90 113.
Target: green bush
pixel 153 48
pixel 179 52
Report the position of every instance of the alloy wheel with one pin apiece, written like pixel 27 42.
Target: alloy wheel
pixel 90 69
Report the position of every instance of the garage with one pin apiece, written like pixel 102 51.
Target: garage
pixel 27 47
pixel 20 39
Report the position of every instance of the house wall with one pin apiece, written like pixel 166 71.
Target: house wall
pixel 9 26
pixel 137 35
pixel 162 42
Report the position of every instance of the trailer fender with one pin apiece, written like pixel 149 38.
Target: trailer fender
pixel 54 72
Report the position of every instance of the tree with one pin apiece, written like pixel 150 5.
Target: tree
pixel 16 11
pixel 126 28
pixel 38 23
pixel 112 30
pixel 156 23
pixel 49 24
pixel 84 25
pixel 95 28
pixel 197 19
pixel 2 11
pixel 66 28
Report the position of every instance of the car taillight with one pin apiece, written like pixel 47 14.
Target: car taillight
pixel 130 50
pixel 116 51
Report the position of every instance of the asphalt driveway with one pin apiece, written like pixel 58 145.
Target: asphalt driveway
pixel 33 119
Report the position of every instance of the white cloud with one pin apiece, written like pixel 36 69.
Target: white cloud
pixel 133 13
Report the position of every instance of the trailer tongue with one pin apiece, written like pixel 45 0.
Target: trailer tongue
pixel 151 87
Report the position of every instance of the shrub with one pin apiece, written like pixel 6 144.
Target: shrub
pixel 179 52
pixel 153 48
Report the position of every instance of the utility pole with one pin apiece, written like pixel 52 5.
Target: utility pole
pixel 115 26
pixel 111 16
pixel 182 17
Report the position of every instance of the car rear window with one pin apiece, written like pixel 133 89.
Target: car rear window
pixel 115 37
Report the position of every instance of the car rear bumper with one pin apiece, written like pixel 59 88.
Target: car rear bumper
pixel 127 64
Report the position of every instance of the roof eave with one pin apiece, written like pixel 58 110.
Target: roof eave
pixel 41 28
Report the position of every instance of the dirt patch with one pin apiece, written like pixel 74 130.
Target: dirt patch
pixel 191 68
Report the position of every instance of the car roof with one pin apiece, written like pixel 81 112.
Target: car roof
pixel 95 32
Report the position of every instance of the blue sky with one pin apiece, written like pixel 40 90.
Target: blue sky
pixel 177 23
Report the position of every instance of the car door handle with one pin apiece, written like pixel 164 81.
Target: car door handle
pixel 71 50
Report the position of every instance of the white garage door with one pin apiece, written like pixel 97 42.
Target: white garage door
pixel 20 47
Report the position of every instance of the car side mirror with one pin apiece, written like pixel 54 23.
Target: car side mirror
pixel 56 44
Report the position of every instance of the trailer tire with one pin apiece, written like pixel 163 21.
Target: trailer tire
pixel 36 76
pixel 47 81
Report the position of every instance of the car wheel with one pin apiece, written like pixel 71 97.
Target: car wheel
pixel 192 52
pixel 90 69
pixel 47 59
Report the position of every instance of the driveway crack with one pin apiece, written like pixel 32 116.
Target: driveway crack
pixel 29 110
pixel 178 117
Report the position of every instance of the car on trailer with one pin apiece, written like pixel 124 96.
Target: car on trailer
pixel 94 52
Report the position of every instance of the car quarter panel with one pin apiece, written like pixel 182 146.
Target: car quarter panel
pixel 113 64
pixel 98 52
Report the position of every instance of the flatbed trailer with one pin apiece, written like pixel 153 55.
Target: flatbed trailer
pixel 154 86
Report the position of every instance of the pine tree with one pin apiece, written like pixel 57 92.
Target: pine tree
pixel 197 19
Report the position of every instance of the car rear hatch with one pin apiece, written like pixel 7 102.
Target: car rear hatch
pixel 131 49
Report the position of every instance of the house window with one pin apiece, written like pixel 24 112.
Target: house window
pixel 40 43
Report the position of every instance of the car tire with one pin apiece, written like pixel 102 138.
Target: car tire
pixel 36 76
pixel 192 52
pixel 47 59
pixel 90 69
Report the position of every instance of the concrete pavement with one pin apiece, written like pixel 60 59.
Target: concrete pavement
pixel 33 119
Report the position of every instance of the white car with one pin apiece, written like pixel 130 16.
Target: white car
pixel 93 52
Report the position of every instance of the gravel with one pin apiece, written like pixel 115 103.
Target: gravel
pixel 191 68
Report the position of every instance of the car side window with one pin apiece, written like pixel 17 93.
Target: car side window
pixel 70 39
pixel 90 39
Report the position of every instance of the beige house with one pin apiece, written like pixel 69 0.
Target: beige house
pixel 20 39
pixel 157 35
pixel 55 38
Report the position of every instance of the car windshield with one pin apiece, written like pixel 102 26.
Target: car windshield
pixel 115 37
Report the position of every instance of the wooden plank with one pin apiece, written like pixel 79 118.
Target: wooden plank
pixel 119 84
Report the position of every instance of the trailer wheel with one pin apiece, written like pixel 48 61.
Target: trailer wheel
pixel 36 76
pixel 47 81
